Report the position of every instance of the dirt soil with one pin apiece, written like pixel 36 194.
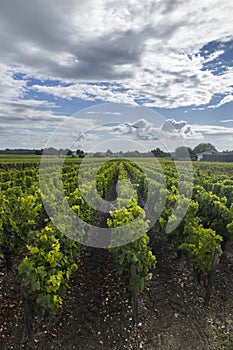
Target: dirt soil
pixel 95 315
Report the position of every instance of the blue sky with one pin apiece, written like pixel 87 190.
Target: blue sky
pixel 61 57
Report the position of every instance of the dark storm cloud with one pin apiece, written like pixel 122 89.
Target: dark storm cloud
pixel 38 21
pixel 43 25
pixel 41 30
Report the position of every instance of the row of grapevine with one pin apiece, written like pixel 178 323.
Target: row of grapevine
pixel 48 257
pixel 137 252
pixel 208 222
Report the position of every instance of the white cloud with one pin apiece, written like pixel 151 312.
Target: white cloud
pixel 104 113
pixel 172 125
pixel 140 129
pixel 173 128
pixel 10 88
pixel 226 121
pixel 212 130
pixel 221 138
pixel 151 50
pixel 87 92
pixel 170 84
pixel 144 130
pixel 226 99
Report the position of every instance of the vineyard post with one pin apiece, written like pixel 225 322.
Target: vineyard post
pixel 8 258
pixel 210 279
pixel 28 322
pixel 134 295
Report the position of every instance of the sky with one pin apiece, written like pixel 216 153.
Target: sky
pixel 88 73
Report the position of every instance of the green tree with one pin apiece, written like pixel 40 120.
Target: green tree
pixel 204 147
pixel 184 152
pixel 158 152
pixel 80 153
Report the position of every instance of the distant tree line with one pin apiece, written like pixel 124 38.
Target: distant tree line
pixel 181 152
pixel 49 151
pixel 20 151
pixel 184 152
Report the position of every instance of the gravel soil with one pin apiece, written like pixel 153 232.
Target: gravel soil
pixel 95 314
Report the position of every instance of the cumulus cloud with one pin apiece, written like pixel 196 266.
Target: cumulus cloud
pixel 173 133
pixel 173 128
pixel 140 129
pixel 144 130
pixel 171 125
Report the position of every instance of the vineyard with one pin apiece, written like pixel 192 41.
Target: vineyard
pixel 58 291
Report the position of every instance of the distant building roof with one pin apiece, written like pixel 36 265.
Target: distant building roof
pixel 208 152
pixel 215 157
